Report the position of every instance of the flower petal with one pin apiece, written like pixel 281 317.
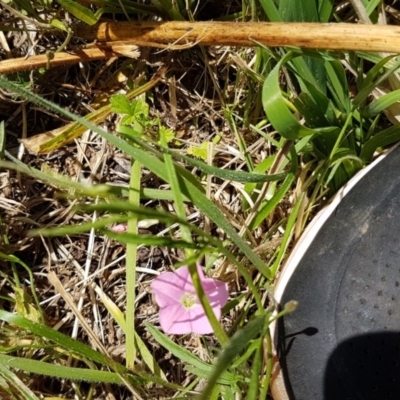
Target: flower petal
pixel 175 320
pixel 120 228
pixel 184 273
pixel 199 320
pixel 216 291
pixel 168 288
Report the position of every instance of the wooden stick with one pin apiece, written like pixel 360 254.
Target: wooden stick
pixel 377 38
pixel 179 35
pixel 100 51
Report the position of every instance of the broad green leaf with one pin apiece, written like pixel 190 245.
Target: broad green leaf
pixel 316 110
pixel 166 134
pixel 277 110
pixel 325 8
pixel 299 11
pixel 305 11
pixel 371 5
pixel 199 151
pixel 128 131
pixel 120 104
pixel 271 10
pixel 79 11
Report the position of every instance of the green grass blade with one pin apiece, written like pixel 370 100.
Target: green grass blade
pixel 270 205
pixel 240 340
pixel 79 11
pixel 63 340
pixel 325 8
pixel 10 380
pixel 150 240
pixel 337 84
pixel 187 357
pixel 381 139
pixel 2 140
pixel 256 367
pixel 60 371
pixel 277 110
pixel 287 235
pixel 381 104
pixel 131 259
pixel 236 176
pixel 270 10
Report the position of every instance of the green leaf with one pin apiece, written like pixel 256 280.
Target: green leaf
pixel 139 108
pixel 63 340
pixel 82 350
pixel 16 384
pixel 60 371
pixel 149 240
pixel 337 84
pixel 277 110
pixel 239 341
pixel 199 367
pixel 56 23
pixel 120 104
pixel 374 77
pixel 287 235
pixel 236 176
pixel 199 151
pixel 79 11
pixel 381 104
pixel 127 130
pixel 2 140
pixel 381 139
pixel 267 207
pixel 166 134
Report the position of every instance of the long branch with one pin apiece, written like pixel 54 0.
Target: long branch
pixel 304 35
pixel 180 35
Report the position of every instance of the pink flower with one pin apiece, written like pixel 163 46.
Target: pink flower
pixel 119 228
pixel 180 308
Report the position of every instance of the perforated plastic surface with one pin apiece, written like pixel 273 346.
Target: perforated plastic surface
pixel 343 341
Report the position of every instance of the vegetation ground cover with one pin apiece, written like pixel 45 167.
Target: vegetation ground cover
pixel 218 155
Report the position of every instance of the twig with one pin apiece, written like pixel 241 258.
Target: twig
pixel 101 51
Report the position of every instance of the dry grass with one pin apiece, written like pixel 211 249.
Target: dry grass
pixel 200 86
pixel 207 93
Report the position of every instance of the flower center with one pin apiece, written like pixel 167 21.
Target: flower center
pixel 188 300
